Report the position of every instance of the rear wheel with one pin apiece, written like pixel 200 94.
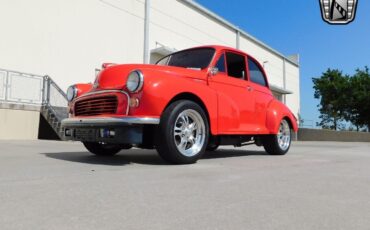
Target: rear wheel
pixel 279 144
pixel 183 133
pixel 102 149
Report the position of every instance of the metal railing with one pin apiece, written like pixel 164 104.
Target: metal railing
pixel 21 88
pixel 31 89
pixel 310 124
pixel 25 88
pixel 54 98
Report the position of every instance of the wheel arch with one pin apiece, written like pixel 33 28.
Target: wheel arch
pixel 276 113
pixel 193 97
pixel 289 121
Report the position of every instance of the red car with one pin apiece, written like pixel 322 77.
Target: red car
pixel 189 102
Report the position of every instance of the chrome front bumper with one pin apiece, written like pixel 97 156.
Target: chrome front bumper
pixel 109 121
pixel 124 130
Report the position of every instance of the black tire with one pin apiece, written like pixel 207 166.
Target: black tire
pixel 165 139
pixel 271 142
pixel 212 147
pixel 100 149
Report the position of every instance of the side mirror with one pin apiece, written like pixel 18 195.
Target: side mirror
pixel 212 71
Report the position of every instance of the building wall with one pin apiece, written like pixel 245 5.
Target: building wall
pixel 68 39
pixel 305 134
pixel 176 25
pixel 19 124
pixel 292 84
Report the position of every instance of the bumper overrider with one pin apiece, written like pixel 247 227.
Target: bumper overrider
pixel 123 130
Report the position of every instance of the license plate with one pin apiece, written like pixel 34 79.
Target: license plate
pixel 85 134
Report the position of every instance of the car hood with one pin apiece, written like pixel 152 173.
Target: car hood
pixel 115 77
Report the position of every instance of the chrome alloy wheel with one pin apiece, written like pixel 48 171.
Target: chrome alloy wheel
pixel 283 136
pixel 189 132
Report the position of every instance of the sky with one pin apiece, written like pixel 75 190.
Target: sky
pixel 296 26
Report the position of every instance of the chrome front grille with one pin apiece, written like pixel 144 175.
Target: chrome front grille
pixel 98 105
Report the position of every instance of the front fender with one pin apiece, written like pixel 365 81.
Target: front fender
pixel 160 88
pixel 277 111
pixel 83 88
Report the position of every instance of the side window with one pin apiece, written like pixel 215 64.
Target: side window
pixel 256 73
pixel 235 65
pixel 221 64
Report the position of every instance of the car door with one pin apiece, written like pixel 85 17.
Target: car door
pixel 235 100
pixel 262 94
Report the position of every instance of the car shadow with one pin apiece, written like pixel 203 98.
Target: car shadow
pixel 138 156
pixel 227 153
pixel 141 156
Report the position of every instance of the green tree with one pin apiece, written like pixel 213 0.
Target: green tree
pixel 330 89
pixel 358 108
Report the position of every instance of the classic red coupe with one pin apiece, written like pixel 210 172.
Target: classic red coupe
pixel 189 102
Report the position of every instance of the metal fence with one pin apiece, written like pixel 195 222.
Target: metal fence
pixel 31 89
pixel 308 124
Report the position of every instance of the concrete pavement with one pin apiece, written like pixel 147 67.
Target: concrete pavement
pixel 58 185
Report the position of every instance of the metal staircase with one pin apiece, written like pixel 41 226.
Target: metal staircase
pixel 35 90
pixel 53 120
pixel 55 106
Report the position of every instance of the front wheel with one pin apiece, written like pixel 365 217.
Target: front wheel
pixel 279 144
pixel 212 147
pixel 183 133
pixel 102 149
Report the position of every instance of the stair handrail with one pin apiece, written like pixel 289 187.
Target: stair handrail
pixel 48 81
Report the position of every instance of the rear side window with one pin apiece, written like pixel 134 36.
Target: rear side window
pixel 235 65
pixel 256 73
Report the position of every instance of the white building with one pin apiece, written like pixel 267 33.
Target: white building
pixel 68 39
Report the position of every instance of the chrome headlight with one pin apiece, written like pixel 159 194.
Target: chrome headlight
pixel 135 81
pixel 71 93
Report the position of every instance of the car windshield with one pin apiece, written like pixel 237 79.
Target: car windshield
pixel 198 58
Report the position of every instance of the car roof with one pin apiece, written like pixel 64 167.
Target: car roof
pixel 219 47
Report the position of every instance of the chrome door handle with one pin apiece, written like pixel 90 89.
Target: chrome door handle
pixel 249 88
